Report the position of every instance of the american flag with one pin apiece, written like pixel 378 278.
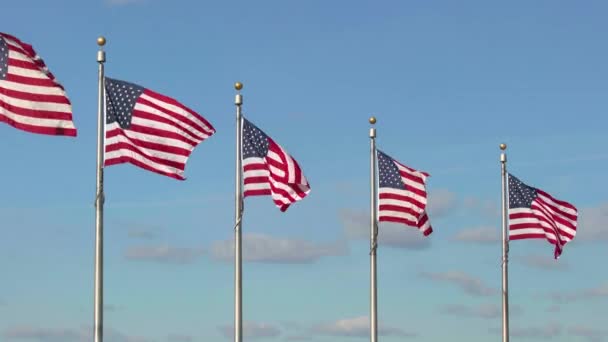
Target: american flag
pixel 534 214
pixel 402 194
pixel 30 97
pixel 150 130
pixel 269 170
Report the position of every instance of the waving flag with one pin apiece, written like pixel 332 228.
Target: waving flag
pixel 269 170
pixel 150 130
pixel 534 214
pixel 30 97
pixel 402 194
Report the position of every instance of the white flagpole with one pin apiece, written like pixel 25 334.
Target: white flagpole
pixel 238 260
pixel 505 247
pixel 373 236
pixel 99 198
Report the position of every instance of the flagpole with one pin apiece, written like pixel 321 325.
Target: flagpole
pixel 99 198
pixel 505 247
pixel 238 260
pixel 373 236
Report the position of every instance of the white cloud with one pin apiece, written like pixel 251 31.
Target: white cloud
pixel 467 283
pixel 486 208
pixel 593 225
pixel 298 338
pixel 441 202
pixel 481 235
pixel 596 292
pixel 358 327
pixel 269 249
pixel 164 254
pixel 140 233
pixel 482 311
pixel 592 334
pixel 111 308
pixel 82 334
pixel 252 330
pixel 543 262
pixel 43 334
pixel 180 338
pixel 357 226
pixel 547 331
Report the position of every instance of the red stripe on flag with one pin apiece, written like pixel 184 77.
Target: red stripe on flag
pixel 126 159
pixel 34 97
pixel 70 132
pixel 39 114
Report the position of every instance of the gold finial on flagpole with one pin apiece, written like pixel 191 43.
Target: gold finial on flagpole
pixel 238 86
pixel 101 40
pixel 372 120
pixel 503 146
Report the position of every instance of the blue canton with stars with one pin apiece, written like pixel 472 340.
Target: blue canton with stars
pixel 121 97
pixel 520 194
pixel 255 142
pixel 3 59
pixel 389 173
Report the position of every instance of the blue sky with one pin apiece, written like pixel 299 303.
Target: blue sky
pixel 448 82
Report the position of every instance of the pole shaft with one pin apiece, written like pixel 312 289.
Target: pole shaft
pixel 99 199
pixel 373 240
pixel 238 260
pixel 505 252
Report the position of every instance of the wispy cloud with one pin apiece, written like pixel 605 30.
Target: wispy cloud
pixel 484 207
pixel 180 338
pixel 547 331
pixel 482 311
pixel 252 330
pixel 141 233
pixel 543 262
pixel 467 283
pixel 164 254
pixel 356 226
pixel 479 235
pixel 111 308
pixel 358 327
pixel 268 249
pixel 596 292
pixel 592 334
pixel 43 334
pixel 82 334
pixel 441 202
pixel 593 224
pixel 552 330
pixel 303 337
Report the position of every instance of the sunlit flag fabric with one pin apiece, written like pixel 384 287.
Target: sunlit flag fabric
pixel 402 194
pixel 150 130
pixel 269 170
pixel 534 214
pixel 31 99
